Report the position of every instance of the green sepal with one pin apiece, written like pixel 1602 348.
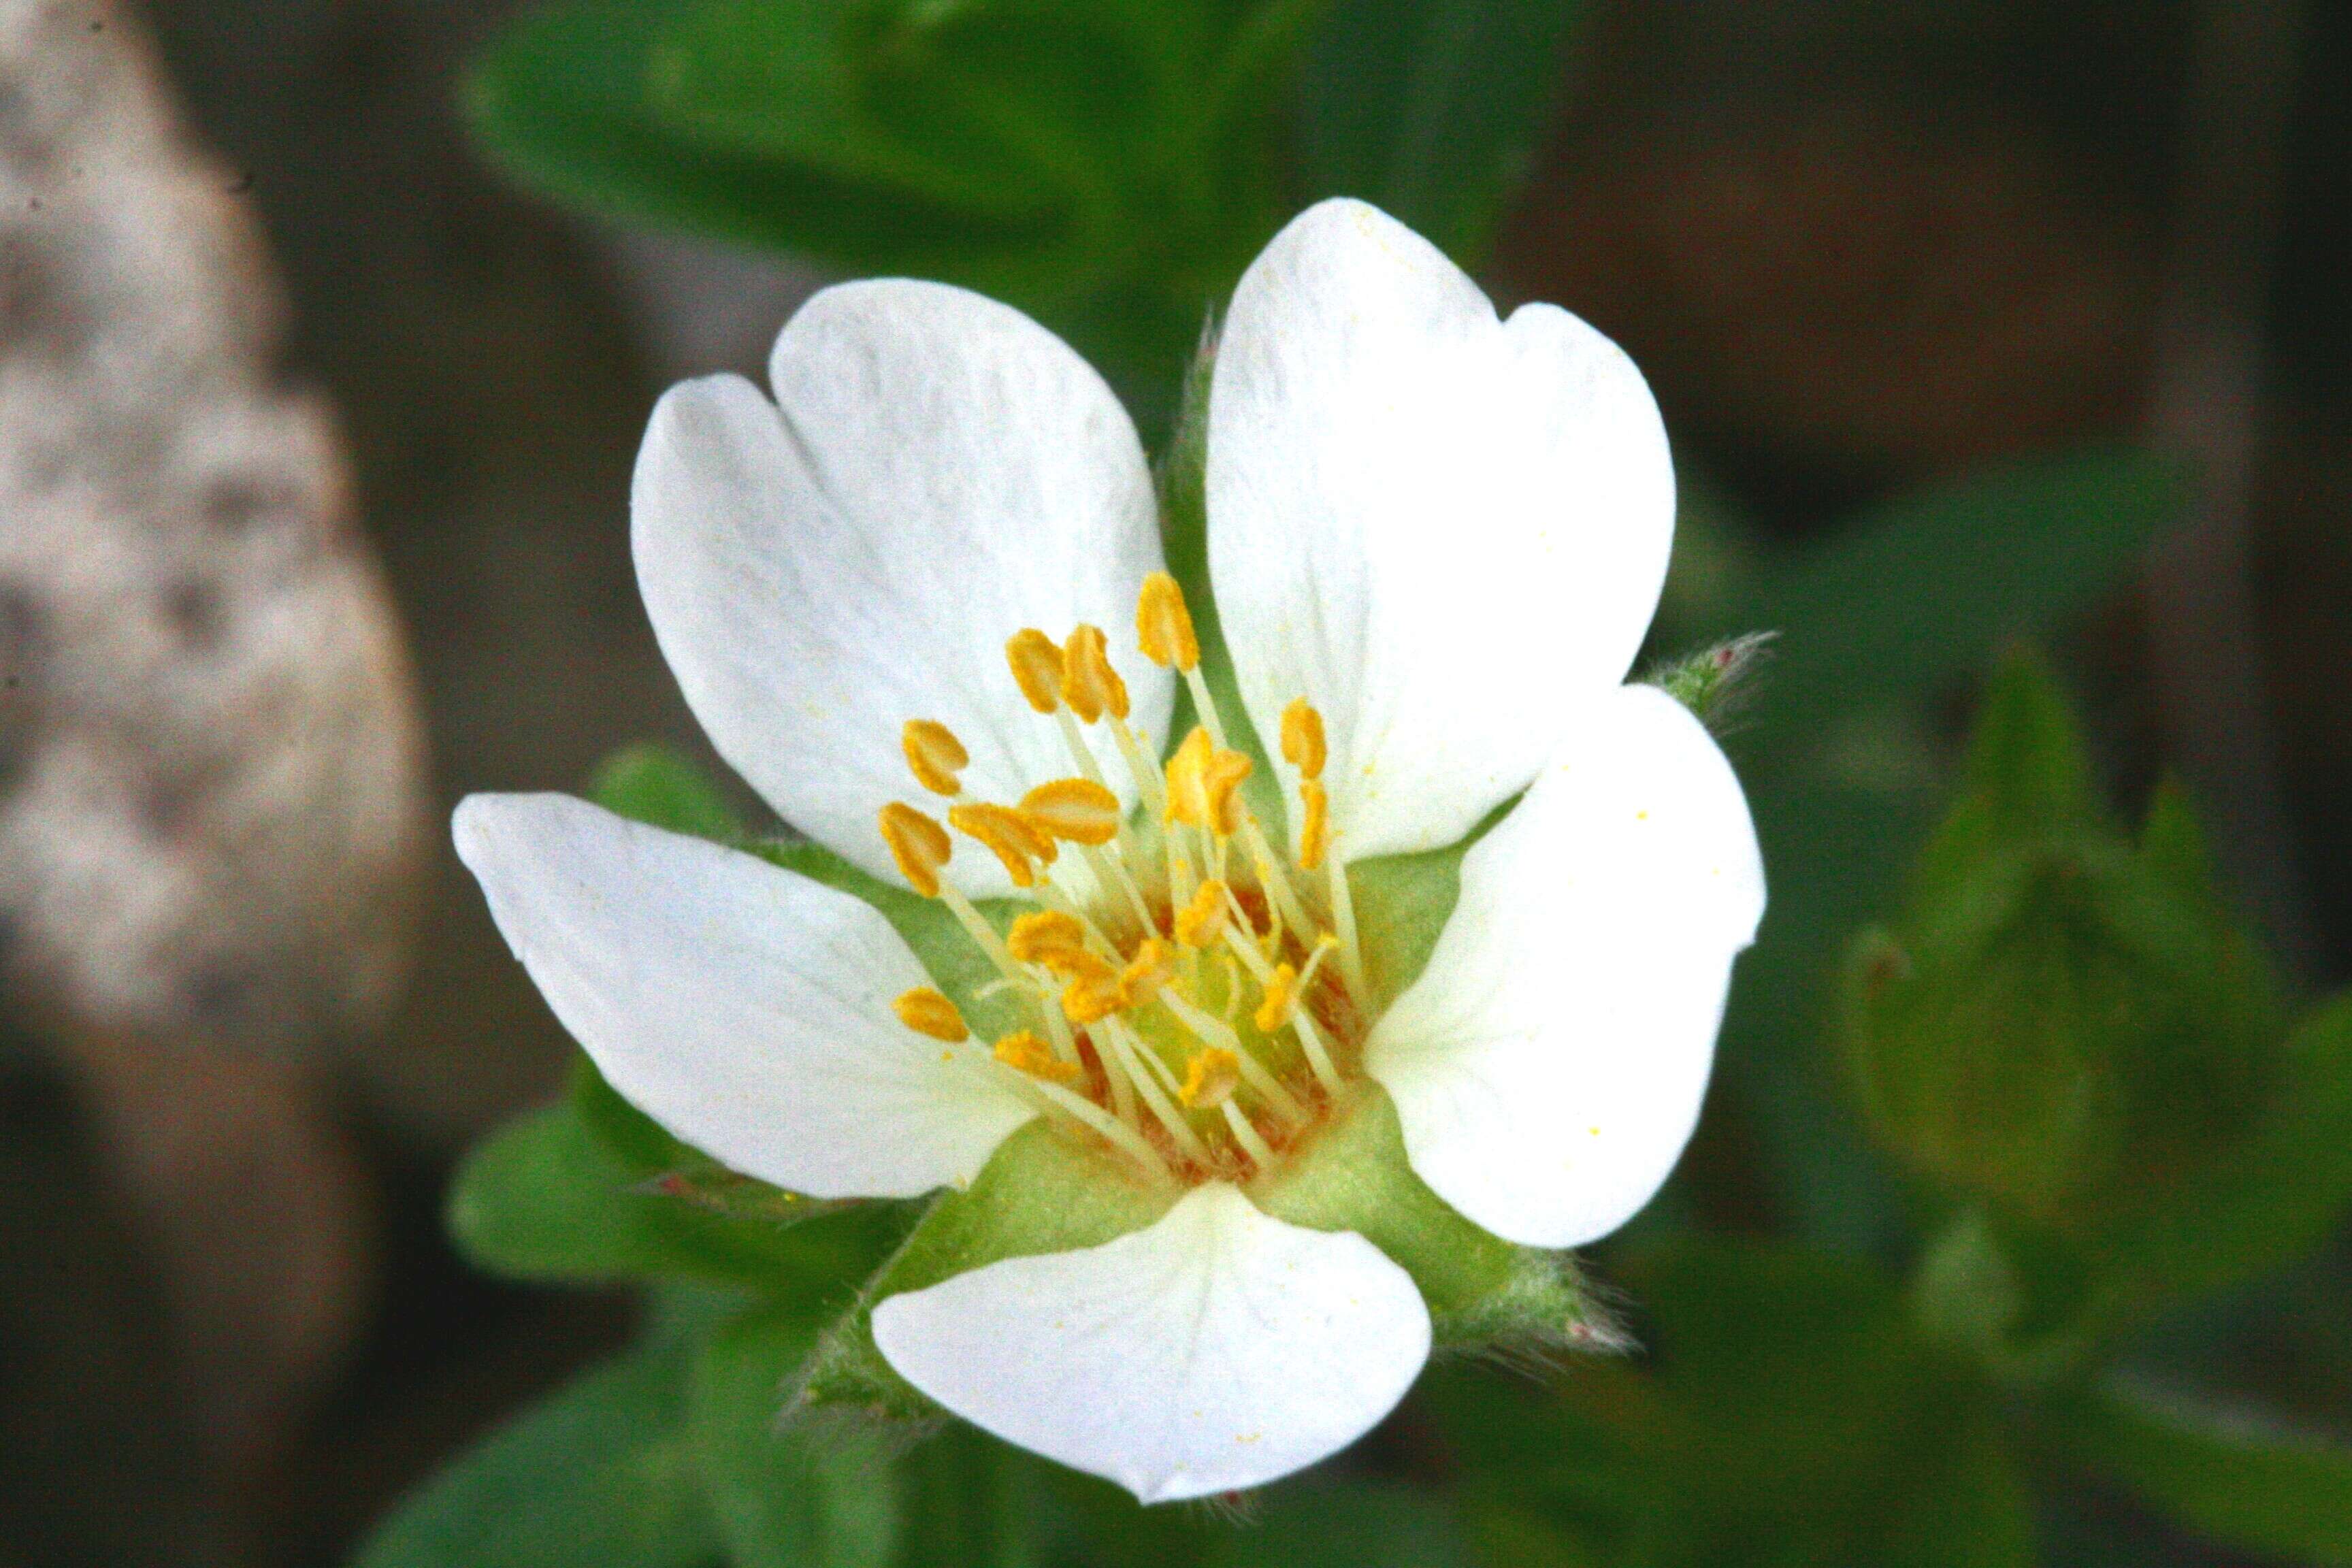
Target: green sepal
pixel 1717 683
pixel 1041 1192
pixel 1482 1291
pixel 660 785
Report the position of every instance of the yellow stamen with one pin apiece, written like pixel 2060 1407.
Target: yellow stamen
pixel 1079 810
pixel 927 1012
pixel 1037 666
pixel 1165 626
pixel 1151 968
pixel 1014 838
pixel 1221 785
pixel 1188 779
pixel 1281 992
pixel 1210 1078
pixel 1198 922
pixel 1089 685
pixel 1025 1051
pixel 1093 997
pixel 935 755
pixel 1042 935
pixel 1315 833
pixel 917 844
pixel 1303 745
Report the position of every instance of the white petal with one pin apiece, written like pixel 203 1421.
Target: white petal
pixel 1442 529
pixel 1549 1064
pixel 1217 1349
pixel 741 1005
pixel 937 472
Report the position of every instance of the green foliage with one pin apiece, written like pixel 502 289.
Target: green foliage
pixel 1431 109
pixel 1106 164
pixel 601 1476
pixel 1794 1416
pixel 1926 587
pixel 546 1198
pixel 786 1494
pixel 2231 1476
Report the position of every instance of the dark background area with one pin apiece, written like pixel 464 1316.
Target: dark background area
pixel 1853 245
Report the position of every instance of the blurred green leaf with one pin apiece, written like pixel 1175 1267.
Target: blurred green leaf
pixel 1349 1524
pixel 974 1500
pixel 1432 110
pixel 2269 1202
pixel 1927 587
pixel 786 1494
pixel 2235 1481
pixel 660 785
pixel 563 99
pixel 546 1197
pixel 602 1475
pixel 1791 1416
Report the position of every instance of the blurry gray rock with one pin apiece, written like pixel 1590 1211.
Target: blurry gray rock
pixel 211 765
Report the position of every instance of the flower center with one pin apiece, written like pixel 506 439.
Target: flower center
pixel 1193 988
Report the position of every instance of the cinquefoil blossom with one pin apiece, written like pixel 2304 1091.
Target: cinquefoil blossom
pixel 918 600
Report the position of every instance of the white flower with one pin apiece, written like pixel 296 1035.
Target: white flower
pixel 1436 539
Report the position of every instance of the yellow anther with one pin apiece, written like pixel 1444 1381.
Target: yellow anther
pixel 1303 745
pixel 1315 833
pixel 1037 666
pixel 1165 626
pixel 935 755
pixel 917 844
pixel 1210 1078
pixel 1024 1050
pixel 1198 922
pixel 1012 836
pixel 1188 779
pixel 1090 997
pixel 1089 685
pixel 1152 967
pixel 1079 810
pixel 927 1012
pixel 1281 992
pixel 1042 935
pixel 1220 784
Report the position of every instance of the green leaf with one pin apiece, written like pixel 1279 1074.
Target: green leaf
pixel 602 1475
pixel 1345 1524
pixel 562 99
pixel 2272 1200
pixel 660 785
pixel 547 1197
pixel 1431 109
pixel 845 88
pixel 787 1494
pixel 2237 1481
pixel 1926 587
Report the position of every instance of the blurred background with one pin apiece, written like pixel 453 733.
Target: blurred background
pixel 315 435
